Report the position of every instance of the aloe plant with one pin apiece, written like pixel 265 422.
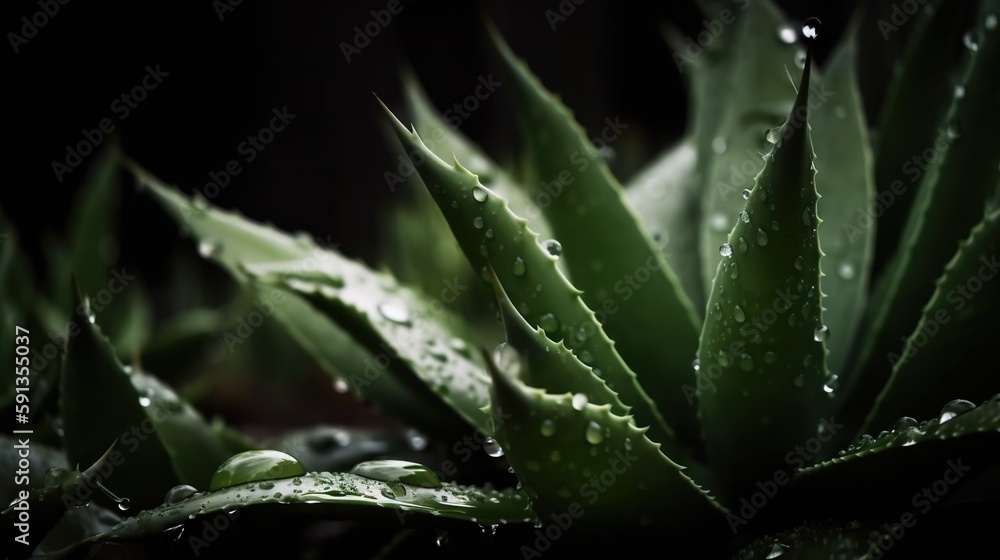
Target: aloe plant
pixel 704 359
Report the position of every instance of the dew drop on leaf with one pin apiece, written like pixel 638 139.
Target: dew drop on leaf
pixel 971 41
pixel 761 237
pixel 579 401
pixel 810 28
pixel 786 34
pixel 799 263
pixel 519 268
pixel 548 428
pixel 800 380
pixel 806 217
pixel 553 247
pixel 831 384
pixel 395 311
pixel 340 386
pixel 955 408
pixel 179 493
pixel 717 312
pixel 738 314
pixel 251 466
pixel 821 334
pixel 398 471
pixel 492 448
pixel 594 434
pixel 742 244
pixel 734 271
pixel 745 217
pixel 773 135
pixel 746 194
pixel 548 323
pixel 770 357
pixel 903 424
pixel 719 145
pixel 746 362
pixel 479 193
pixel 725 250
pixel 478 222
pixel 774 225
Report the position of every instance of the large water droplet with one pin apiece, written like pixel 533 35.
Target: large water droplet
pixel 507 358
pixel 955 408
pixel 579 401
pixel 548 427
pixel 553 247
pixel 594 433
pixel 742 244
pixel 746 194
pixel 398 471
pixel 786 34
pixel 548 323
pixel 395 311
pixel 738 314
pixel 774 225
pixel 761 237
pixel 800 59
pixel 479 193
pixel 478 222
pixel 124 504
pixel 745 217
pixel 734 271
pixel 179 493
pixel 144 402
pixel 810 28
pixel 723 358
pixel 773 135
pixel 492 448
pixel 252 466
pixel 904 423
pixel 725 250
pixel 209 249
pixel 821 333
pixel 519 268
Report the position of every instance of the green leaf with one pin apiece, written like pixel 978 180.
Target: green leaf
pixel 741 90
pixel 608 253
pixel 665 196
pixel 809 541
pixel 163 440
pixel 384 315
pixel 956 322
pixel 239 244
pixel 92 240
pixel 950 201
pixel 325 495
pixel 582 460
pixel 917 101
pixel 762 360
pixel 491 235
pixel 844 163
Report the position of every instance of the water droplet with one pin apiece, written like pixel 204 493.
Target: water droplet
pixel 492 448
pixel 773 135
pixel 479 193
pixel 793 320
pixel 990 22
pixel 959 91
pixel 719 145
pixel 738 314
pixel 395 311
pixel 864 441
pixel 810 28
pixel 719 222
pixel 799 263
pixel 717 312
pixel 454 204
pixel 179 493
pixel 696 364
pixel 806 216
pixel 417 441
pixel 903 424
pixel 846 271
pixel 252 466
pixel 489 233
pixel 831 383
pixel 398 471
pixel 776 551
pixel 734 271
pixel 786 34
pixel 124 504
pixel 742 244
pixel 553 247
pixel 745 217
pixel 774 225
pixel 340 386
pixel 507 358
pixel 746 194
pixel 955 408
pixel 478 222
pixel 725 250
pixel 971 41
pixel 746 362
pixel 459 345
pixel 548 427
pixel 549 323
pixel 770 357
pixel 821 334
pixel 761 237
pixel 144 402
pixel 723 358
pixel 579 401
pixel 800 59
pixel 209 249
pixel 519 268
pixel 800 380
pixel 953 131
pixel 594 433
pixel 807 361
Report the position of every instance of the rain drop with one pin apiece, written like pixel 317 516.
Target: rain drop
pixel 251 466
pixel 776 551
pixel 718 222
pixel 489 233
pixel 971 41
pixel 549 323
pixel 478 222
pixel 800 59
pixel 742 245
pixel 800 380
pixel 761 237
pixel 144 402
pixel 723 358
pixel 594 434
pixel 810 28
pixel 719 145
pixel 821 333
pixel 395 311
pixel 746 194
pixel 479 193
pixel 770 357
pixel 124 504
pixel 548 428
pixel 745 217
pixel 340 386
pixel 696 364
pixel 179 493
pixel 725 250
pixel 786 34
pixel 903 424
pixel 717 312
pixel 209 249
pixel 553 247
pixel 492 448
pixel 806 217
pixel 990 22
pixel 955 408
pixel 738 314
pixel 519 267
pixel 831 384
pixel 774 225
pixel 398 471
pixel 579 401
pixel 773 135
pixel 799 263
pixel 734 271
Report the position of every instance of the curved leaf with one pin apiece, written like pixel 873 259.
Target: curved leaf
pixel 607 251
pixel 762 360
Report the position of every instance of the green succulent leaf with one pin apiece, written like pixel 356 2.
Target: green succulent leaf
pixel 239 245
pixel 326 495
pixel 741 90
pixel 492 235
pixel 580 459
pixel 666 199
pixel 151 427
pixel 844 162
pixel 762 360
pixel 624 276
pixel 950 201
pixel 954 323
pixel 908 123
